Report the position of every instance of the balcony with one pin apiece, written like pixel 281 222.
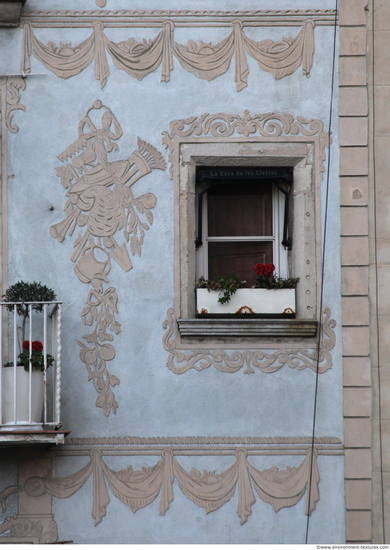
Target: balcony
pixel 30 377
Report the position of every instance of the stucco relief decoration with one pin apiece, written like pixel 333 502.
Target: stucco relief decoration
pixel 269 125
pixel 41 529
pixel 270 361
pixel 205 60
pixel 209 490
pixel 101 203
pixel 10 88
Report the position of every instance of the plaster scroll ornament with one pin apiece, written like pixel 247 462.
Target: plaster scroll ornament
pixel 270 361
pixel 205 60
pixel 38 528
pixel 10 88
pixel 269 125
pixel 101 203
pixel 207 489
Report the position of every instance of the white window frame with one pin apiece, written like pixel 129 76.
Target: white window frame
pixel 279 251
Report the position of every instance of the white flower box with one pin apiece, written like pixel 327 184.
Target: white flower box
pixel 22 397
pixel 247 300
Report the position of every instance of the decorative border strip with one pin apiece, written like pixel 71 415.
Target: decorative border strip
pixel 199 440
pixel 182 18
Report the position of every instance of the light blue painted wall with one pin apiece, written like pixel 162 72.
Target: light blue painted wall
pixel 152 400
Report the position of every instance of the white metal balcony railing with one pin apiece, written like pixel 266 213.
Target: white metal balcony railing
pixel 30 399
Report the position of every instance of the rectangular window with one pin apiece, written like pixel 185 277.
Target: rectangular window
pixel 229 198
pixel 241 214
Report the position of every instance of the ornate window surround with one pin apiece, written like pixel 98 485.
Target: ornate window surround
pixel 261 140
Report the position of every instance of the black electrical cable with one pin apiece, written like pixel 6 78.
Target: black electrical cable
pixel 322 273
pixel 376 271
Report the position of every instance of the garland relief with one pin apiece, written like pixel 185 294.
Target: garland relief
pixel 205 60
pixel 210 490
pixel 101 203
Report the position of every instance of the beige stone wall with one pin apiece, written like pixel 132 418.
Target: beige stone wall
pixel 365 203
pixel 379 139
pixel 354 201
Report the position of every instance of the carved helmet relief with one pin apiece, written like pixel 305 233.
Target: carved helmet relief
pixel 101 203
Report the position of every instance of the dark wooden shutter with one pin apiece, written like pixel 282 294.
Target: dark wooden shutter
pixel 239 210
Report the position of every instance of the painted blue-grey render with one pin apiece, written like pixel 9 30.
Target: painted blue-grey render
pixel 153 400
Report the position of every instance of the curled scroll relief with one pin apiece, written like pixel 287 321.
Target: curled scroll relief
pixel 267 361
pixel 101 203
pixel 10 87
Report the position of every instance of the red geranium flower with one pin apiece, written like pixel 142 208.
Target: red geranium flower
pixel 36 345
pixel 269 270
pixel 266 270
pixel 259 269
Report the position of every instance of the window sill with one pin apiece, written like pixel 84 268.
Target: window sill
pixel 252 328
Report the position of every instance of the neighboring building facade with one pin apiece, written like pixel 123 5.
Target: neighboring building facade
pixel 104 178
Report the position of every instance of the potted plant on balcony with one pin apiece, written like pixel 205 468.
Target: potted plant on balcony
pixel 25 292
pixel 270 296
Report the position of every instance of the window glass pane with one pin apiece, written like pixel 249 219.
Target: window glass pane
pixel 240 209
pixel 240 257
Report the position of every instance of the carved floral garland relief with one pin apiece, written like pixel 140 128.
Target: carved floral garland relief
pixel 100 202
pixel 205 60
pixel 210 490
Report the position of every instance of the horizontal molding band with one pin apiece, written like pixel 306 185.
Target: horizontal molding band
pixel 327 450
pixel 199 440
pixel 247 328
pixel 181 18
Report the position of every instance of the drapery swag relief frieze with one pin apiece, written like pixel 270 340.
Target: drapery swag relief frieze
pixel 205 60
pixel 101 203
pixel 210 490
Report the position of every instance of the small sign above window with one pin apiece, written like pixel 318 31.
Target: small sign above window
pixel 228 174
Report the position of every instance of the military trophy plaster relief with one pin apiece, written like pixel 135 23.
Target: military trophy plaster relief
pixel 210 490
pixel 205 60
pixel 100 202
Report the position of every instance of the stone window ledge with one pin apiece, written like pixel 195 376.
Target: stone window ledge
pixel 247 328
pixel 18 437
